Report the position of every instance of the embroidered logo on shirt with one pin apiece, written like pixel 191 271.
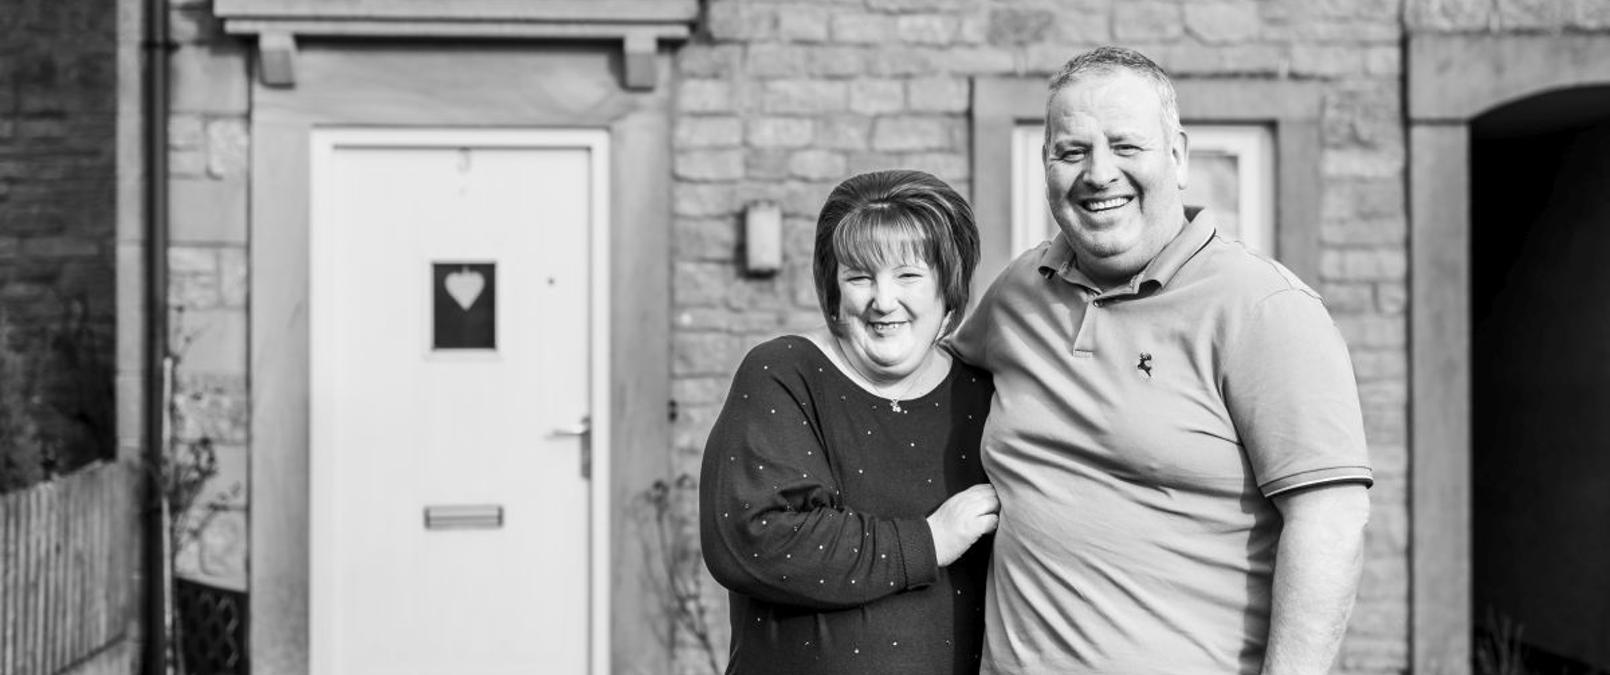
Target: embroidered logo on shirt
pixel 1145 365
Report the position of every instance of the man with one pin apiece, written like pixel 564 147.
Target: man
pixel 1175 436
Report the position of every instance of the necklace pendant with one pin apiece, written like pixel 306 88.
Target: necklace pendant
pixel 894 405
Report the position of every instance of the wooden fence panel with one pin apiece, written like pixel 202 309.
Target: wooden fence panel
pixel 66 569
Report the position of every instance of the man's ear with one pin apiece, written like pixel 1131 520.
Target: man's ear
pixel 1182 158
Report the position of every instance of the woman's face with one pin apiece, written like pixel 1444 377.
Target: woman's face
pixel 890 317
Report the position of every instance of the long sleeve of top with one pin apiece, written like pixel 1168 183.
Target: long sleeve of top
pixel 813 502
pixel 775 525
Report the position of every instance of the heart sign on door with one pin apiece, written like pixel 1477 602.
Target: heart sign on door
pixel 464 306
pixel 465 286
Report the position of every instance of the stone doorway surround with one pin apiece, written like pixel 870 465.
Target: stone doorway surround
pixel 474 64
pixel 1452 79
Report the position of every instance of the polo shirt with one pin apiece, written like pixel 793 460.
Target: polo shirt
pixel 1135 438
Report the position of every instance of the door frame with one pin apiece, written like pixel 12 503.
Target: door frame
pixel 461 85
pixel 323 143
pixel 1452 79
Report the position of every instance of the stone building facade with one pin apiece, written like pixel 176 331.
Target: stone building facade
pixel 777 100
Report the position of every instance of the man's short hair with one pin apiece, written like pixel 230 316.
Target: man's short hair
pixel 1104 60
pixel 873 219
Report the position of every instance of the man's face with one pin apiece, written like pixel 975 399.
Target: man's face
pixel 1113 173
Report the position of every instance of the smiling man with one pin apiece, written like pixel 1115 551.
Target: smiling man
pixel 1175 436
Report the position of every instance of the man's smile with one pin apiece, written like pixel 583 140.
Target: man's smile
pixel 1107 204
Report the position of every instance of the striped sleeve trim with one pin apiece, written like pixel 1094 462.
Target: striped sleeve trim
pixel 1305 479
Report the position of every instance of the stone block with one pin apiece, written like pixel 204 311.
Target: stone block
pixel 766 61
pixel 1348 297
pixel 210 341
pixel 836 61
pixel 703 354
pixel 875 97
pixel 692 427
pixel 701 284
pixel 1531 15
pixel 713 96
pixel 1146 21
pixel 1373 332
pixel 1383 393
pixel 222 554
pixel 951 167
pixel 709 165
pixel 804 96
pixel 697 319
pixel 939 94
pixel 972 29
pixel 804 200
pixel 699 391
pixel 207 210
pixel 1592 15
pixel 1380 364
pixel 234 279
pixel 927 29
pixel 1387 423
pixel 707 199
pixel 714 61
pixel 1383 61
pixel 1392 297
pixel 213 79
pixel 802 23
pixel 187 163
pixel 1232 22
pixel 1363 264
pixel 705 239
pixel 780 132
pixel 843 132
pixel 739 21
pixel 911 133
pixel 1362 199
pixel 966 61
pixel 186 132
pixel 817 165
pixel 211 406
pixel 193 277
pixel 860 28
pixel 228 144
pixel 909 6
pixel 862 162
pixel 1384 230
pixel 1386 161
pixel 1019 25
pixel 194 26
pixel 904 61
pixel 707 132
pixel 230 485
pixel 1326 61
pixel 766 163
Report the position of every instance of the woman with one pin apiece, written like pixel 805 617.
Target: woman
pixel 841 488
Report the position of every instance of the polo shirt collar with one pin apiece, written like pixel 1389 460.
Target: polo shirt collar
pixel 1058 258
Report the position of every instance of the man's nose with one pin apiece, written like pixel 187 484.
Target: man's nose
pixel 1101 168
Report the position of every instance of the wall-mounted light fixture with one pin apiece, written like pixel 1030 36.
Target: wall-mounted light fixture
pixel 763 239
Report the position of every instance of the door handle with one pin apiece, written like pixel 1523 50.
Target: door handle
pixel 582 428
pixel 584 431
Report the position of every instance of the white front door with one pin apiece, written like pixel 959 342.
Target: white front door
pixel 453 337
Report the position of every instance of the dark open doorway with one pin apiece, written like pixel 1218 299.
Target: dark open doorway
pixel 1540 366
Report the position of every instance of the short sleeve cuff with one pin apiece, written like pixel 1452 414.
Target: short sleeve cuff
pixel 918 559
pixel 1305 479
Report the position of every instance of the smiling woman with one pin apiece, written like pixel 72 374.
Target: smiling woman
pixel 841 493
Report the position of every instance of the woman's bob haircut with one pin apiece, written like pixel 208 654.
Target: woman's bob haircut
pixel 889 217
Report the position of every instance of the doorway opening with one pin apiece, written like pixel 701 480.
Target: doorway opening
pixel 1540 394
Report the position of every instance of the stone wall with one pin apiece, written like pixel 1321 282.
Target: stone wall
pixel 779 100
pixel 208 154
pixel 58 109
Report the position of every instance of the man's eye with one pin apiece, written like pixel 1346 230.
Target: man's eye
pixel 1125 150
pixel 1072 155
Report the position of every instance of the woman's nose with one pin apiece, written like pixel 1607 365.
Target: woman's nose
pixel 885 297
